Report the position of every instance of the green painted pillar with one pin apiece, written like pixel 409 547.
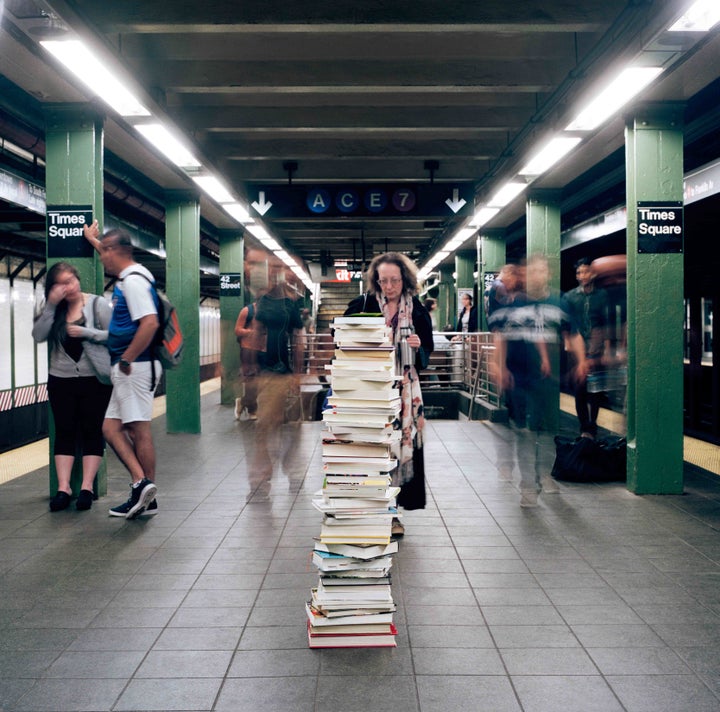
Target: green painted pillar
pixel 182 284
pixel 543 230
pixel 543 238
pixel 446 298
pixel 654 165
pixel 231 302
pixel 492 258
pixel 465 272
pixel 74 179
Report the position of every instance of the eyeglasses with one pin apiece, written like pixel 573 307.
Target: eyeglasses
pixel 392 280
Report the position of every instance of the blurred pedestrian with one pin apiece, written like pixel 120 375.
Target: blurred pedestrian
pixel 278 347
pixel 431 305
pixel 589 306
pixel 246 407
pixel 528 335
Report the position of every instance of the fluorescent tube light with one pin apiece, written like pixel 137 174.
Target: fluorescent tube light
pixel 271 243
pixel 238 211
pixel 459 239
pixel 484 215
pixel 258 231
pixel 625 86
pixel 506 194
pixel 215 189
pixel 88 68
pixel 168 145
pixel 285 257
pixel 700 17
pixel 548 156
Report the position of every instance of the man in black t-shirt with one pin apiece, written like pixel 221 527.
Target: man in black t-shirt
pixel 528 336
pixel 277 339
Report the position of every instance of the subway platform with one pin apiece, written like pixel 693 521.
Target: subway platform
pixel 598 600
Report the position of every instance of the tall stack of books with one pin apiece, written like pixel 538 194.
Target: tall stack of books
pixel 352 605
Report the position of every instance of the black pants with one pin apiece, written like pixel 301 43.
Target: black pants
pixel 587 407
pixel 78 407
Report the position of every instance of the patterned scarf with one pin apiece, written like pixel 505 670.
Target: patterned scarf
pixel 411 416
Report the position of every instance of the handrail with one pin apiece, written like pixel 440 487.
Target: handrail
pixel 459 361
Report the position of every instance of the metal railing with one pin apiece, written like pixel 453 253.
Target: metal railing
pixel 459 361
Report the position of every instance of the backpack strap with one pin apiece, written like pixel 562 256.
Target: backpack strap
pixel 250 314
pixel 151 282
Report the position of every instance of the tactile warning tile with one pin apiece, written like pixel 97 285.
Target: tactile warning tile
pixel 702 454
pixel 696 452
pixel 24 459
pixel 32 457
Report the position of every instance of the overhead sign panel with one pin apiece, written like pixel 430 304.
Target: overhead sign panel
pixel 427 200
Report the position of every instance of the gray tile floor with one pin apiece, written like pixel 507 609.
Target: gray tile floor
pixel 598 600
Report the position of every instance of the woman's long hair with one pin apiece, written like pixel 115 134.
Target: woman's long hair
pixel 58 329
pixel 408 272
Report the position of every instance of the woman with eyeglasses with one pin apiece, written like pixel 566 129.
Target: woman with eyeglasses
pixel 392 285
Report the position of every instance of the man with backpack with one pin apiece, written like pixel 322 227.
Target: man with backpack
pixel 132 333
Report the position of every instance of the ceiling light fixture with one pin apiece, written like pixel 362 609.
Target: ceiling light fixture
pixel 90 70
pixel 215 189
pixel 625 86
pixel 700 17
pixel 168 145
pixel 239 212
pixel 483 215
pixel 549 155
pixel 506 194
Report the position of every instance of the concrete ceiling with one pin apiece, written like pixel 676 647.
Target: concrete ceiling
pixel 369 94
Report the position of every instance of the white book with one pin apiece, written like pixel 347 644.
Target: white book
pixel 366 552
pixel 357 319
pixel 319 619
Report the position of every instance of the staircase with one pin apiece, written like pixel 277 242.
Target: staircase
pixel 334 298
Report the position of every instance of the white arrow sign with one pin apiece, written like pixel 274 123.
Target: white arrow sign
pixel 262 207
pixel 457 202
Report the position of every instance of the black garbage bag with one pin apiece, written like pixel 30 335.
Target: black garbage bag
pixel 586 460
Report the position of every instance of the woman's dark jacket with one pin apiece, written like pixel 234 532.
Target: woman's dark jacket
pixel 472 323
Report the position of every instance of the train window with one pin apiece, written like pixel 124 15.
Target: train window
pixel 707 326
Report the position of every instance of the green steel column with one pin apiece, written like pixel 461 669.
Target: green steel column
pixel 231 262
pixel 74 177
pixel 654 159
pixel 493 257
pixel 446 299
pixel 182 281
pixel 465 271
pixel 543 238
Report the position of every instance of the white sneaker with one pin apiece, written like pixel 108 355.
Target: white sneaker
pixel 549 486
pixel 505 474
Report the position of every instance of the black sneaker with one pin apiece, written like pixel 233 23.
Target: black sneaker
pixel 141 496
pixel 152 508
pixel 122 509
